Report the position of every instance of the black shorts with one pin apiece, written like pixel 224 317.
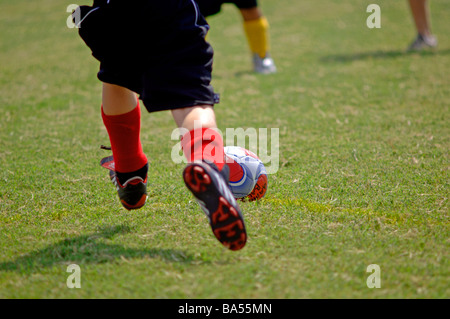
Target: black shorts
pixel 211 7
pixel 154 48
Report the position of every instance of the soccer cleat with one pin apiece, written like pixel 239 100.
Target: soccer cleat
pixel 132 193
pixel 264 65
pixel 211 190
pixel 423 42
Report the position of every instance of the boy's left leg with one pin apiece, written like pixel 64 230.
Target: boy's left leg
pixel 206 175
pixel 128 166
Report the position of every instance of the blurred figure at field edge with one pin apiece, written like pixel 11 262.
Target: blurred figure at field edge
pixel 256 29
pixel 421 15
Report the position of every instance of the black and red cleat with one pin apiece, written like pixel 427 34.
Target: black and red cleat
pixel 211 190
pixel 133 192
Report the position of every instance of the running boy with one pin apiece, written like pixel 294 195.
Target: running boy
pixel 155 51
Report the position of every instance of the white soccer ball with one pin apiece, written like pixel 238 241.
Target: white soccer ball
pixel 248 176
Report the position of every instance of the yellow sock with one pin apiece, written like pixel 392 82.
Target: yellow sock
pixel 257 32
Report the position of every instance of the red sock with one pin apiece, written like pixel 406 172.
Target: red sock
pixel 124 135
pixel 203 143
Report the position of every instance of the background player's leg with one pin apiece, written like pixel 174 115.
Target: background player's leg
pixel 256 29
pixel 251 13
pixel 421 16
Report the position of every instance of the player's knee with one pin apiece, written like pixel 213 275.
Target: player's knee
pixel 117 99
pixel 201 116
pixel 251 13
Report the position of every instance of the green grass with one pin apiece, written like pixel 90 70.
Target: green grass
pixel 363 178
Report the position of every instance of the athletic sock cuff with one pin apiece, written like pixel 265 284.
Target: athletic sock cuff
pixel 203 144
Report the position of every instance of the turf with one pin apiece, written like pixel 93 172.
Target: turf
pixel 363 177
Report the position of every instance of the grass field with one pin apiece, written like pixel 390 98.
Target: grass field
pixel 363 179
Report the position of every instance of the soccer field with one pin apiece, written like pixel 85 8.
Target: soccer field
pixel 363 176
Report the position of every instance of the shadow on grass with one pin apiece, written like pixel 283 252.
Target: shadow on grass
pixel 87 249
pixel 379 55
pixel 244 73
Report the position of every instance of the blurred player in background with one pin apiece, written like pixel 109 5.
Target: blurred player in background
pixel 425 39
pixel 172 71
pixel 256 29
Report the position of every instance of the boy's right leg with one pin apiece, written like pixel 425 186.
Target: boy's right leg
pixel 206 175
